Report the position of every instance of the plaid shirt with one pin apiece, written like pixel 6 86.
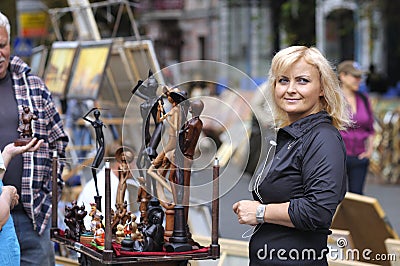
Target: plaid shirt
pixel 36 185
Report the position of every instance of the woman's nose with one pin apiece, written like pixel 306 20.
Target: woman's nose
pixel 291 87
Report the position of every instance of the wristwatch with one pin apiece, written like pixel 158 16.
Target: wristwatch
pixel 260 213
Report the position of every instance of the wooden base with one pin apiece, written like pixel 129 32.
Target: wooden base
pixel 22 141
pixel 95 257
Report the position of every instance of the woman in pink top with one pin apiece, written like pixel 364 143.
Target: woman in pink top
pixel 358 139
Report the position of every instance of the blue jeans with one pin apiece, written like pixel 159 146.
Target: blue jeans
pixel 35 249
pixel 356 172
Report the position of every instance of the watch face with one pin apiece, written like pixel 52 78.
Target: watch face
pixel 258 212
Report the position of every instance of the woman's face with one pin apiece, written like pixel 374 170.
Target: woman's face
pixel 350 81
pixel 298 90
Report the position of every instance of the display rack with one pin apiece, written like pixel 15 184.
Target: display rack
pixel 90 255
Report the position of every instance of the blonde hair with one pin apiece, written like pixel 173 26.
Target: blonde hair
pixel 333 101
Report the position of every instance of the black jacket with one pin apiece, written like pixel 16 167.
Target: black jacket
pixel 309 171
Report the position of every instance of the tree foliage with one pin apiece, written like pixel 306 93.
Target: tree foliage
pixel 298 20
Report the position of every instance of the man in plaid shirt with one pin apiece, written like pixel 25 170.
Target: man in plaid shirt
pixel 30 172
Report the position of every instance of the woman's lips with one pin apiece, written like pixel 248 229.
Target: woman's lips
pixel 291 100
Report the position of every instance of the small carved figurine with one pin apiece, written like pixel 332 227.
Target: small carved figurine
pixel 143 198
pixel 124 156
pixel 131 228
pixel 120 234
pixel 120 215
pixel 25 126
pixel 97 217
pixel 153 233
pixel 99 235
pixel 74 220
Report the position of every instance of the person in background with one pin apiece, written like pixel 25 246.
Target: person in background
pixel 358 138
pixel 30 172
pixel 295 200
pixel 9 249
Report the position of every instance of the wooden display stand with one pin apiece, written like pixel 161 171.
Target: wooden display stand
pixel 90 256
pixel 367 223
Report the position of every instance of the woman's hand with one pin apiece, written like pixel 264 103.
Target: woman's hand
pixel 275 213
pixel 33 145
pixel 365 154
pixel 369 148
pixel 11 150
pixel 246 211
pixel 11 195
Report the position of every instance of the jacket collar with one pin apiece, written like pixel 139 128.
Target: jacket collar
pixel 17 65
pixel 305 124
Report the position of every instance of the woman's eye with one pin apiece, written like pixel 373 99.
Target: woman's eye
pixel 283 81
pixel 303 81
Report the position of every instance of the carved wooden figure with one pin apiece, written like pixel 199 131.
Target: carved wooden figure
pixel 153 233
pixel 165 160
pixel 99 235
pixel 143 199
pixel 120 215
pixel 96 215
pixel 188 138
pixel 120 234
pixel 25 126
pixel 147 90
pixel 74 220
pixel 124 156
pixel 98 125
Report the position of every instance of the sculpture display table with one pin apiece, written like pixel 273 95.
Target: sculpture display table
pixel 112 253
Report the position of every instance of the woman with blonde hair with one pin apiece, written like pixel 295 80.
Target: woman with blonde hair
pixel 296 198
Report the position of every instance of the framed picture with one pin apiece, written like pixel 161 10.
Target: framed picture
pixel 38 60
pixel 89 69
pixel 142 58
pixel 59 67
pixel 118 81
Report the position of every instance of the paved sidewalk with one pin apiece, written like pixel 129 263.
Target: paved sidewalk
pixel 388 196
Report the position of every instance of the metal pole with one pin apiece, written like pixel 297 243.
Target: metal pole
pixel 54 199
pixel 107 252
pixel 215 249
